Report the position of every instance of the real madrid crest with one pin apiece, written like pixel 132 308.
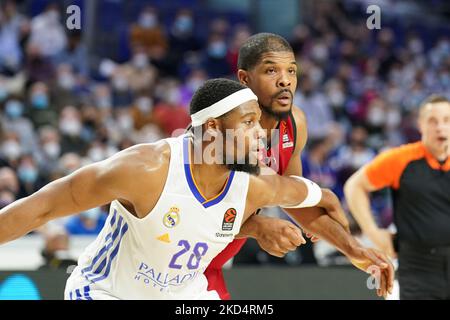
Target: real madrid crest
pixel 172 218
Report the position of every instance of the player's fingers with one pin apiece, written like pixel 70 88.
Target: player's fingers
pixel 295 236
pixel 314 239
pixel 389 270
pixel 376 259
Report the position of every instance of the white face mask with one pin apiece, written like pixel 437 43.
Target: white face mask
pixel 70 127
pixel 140 60
pixel 376 116
pixel 125 122
pixel 120 83
pixel 11 149
pixel 336 98
pixel 393 118
pixel 66 81
pixel 144 104
pixel 52 149
pixel 96 154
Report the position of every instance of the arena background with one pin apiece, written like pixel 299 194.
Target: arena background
pixel 126 76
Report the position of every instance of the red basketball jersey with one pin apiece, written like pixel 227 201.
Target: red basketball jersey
pixel 277 156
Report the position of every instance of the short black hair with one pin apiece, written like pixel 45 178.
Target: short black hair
pixel 254 47
pixel 213 91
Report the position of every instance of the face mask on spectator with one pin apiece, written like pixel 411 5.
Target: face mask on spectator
pixel 336 98
pixel 14 109
pixel 120 83
pixel 144 104
pixel 3 94
pixel 148 21
pixel 140 60
pixel 184 24
pixel 66 81
pixel 393 118
pixel 376 116
pixel 11 149
pixel 96 154
pixel 70 127
pixel 217 49
pixel 27 174
pixel 39 101
pixel 52 149
pixel 125 122
pixel 173 96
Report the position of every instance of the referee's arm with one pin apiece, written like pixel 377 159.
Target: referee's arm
pixel 378 174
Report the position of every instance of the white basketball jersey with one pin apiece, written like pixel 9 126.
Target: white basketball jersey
pixel 164 255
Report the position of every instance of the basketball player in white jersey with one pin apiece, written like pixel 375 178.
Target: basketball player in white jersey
pixel 171 214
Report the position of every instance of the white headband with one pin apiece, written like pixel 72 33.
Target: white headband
pixel 223 106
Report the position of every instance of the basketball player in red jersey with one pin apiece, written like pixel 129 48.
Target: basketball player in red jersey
pixel 267 65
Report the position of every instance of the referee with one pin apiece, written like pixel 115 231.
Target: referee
pixel 419 176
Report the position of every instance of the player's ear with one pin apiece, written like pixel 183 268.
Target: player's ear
pixel 243 76
pixel 212 127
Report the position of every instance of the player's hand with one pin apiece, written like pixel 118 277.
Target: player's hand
pixel 376 264
pixel 277 236
pixel 383 240
pixel 312 237
pixel 332 205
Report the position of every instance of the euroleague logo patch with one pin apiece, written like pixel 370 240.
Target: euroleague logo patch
pixel 228 219
pixel 172 217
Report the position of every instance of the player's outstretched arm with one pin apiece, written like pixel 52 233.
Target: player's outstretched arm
pixel 272 190
pixel 91 186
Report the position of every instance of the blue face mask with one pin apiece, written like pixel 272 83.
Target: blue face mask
pixel 184 24
pixel 14 109
pixel 217 50
pixel 28 175
pixel 39 101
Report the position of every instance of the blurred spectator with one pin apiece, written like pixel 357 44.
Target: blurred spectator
pixel 316 165
pixel 75 55
pixel 14 120
pixel 13 28
pixel 9 181
pixel 316 107
pixel 70 126
pixel 142 111
pixel 29 176
pixel 10 148
pixel 50 149
pixel 169 106
pixel 241 33
pixel 194 80
pixel 149 34
pixel 215 58
pixel 6 197
pixel 56 253
pixel 183 38
pixel 41 111
pixel 89 222
pixel 351 157
pixel 47 32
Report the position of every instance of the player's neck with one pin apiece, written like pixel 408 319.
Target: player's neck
pixel 209 177
pixel 268 122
